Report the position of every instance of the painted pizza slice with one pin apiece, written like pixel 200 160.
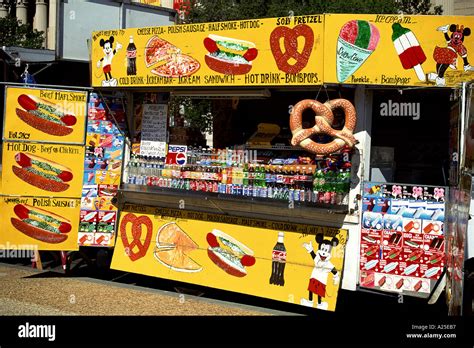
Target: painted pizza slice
pixel 172 248
pixel 177 65
pixel 158 50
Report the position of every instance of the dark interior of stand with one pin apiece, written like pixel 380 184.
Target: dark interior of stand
pixel 421 147
pixel 240 124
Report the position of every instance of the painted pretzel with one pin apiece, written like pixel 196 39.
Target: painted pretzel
pixel 324 120
pixel 137 223
pixel 290 40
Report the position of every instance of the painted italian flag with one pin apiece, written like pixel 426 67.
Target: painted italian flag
pixel 409 50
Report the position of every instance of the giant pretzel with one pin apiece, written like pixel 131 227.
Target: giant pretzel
pixel 324 120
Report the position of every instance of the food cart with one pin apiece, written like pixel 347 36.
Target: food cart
pixel 311 183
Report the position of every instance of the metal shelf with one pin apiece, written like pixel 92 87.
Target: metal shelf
pixel 251 207
pixel 274 148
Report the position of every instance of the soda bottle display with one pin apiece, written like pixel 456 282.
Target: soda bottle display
pixel 131 58
pixel 278 262
pixel 213 170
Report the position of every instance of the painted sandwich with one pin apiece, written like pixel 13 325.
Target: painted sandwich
pixel 40 224
pixel 229 56
pixel 45 116
pixel 229 254
pixel 42 173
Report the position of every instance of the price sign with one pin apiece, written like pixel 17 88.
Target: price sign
pixel 154 130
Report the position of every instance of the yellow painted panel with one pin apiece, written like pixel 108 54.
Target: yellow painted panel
pixel 180 245
pixel 22 174
pixel 260 52
pixel 390 49
pixel 39 223
pixel 63 115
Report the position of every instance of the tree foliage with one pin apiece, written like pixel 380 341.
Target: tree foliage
pixel 419 7
pixel 15 33
pixel 224 10
pixel 196 112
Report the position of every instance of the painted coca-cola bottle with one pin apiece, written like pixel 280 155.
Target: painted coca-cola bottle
pixel 278 262
pixel 131 58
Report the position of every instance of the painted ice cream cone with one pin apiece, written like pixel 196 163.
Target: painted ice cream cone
pixel 356 42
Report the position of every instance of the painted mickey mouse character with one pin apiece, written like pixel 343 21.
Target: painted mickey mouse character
pixel 447 56
pixel 321 270
pixel 106 60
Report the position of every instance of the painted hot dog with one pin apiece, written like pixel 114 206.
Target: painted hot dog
pixel 229 254
pixel 229 56
pixel 42 173
pixel 45 116
pixel 40 224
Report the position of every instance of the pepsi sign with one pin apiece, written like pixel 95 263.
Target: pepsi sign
pixel 176 154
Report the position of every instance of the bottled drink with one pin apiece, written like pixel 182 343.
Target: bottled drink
pixel 230 175
pixel 239 174
pixel 251 175
pixel 272 175
pixel 346 185
pixel 295 175
pixel 270 190
pixel 278 262
pixel 279 175
pixel 260 175
pixel 291 194
pixel 286 175
pixel 245 179
pixel 131 58
pixel 224 175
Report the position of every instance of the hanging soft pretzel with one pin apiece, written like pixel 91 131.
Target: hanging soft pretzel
pixel 324 120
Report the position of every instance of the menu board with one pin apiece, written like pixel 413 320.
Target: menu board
pixel 102 171
pixel 397 50
pixel 271 51
pixel 39 223
pixel 154 130
pixel 402 245
pixel 44 115
pixel 369 49
pixel 42 170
